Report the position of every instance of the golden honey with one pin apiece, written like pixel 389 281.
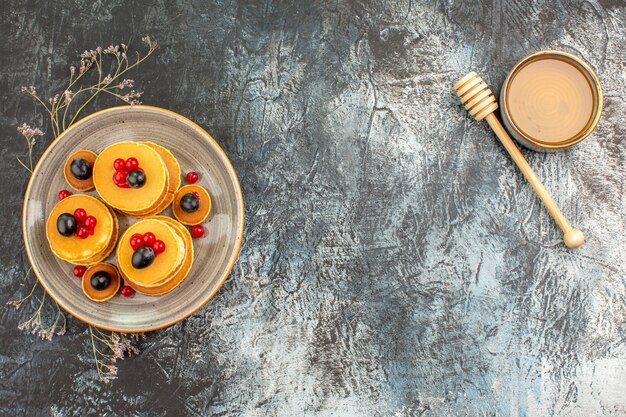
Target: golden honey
pixel 551 100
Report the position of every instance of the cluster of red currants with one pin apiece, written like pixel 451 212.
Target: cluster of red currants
pixel 147 239
pixel 127 173
pixel 86 224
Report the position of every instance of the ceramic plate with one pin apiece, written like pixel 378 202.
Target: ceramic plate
pixel 215 253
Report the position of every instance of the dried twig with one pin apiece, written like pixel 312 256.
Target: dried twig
pixel 108 347
pixel 36 323
pixel 64 109
pixel 68 104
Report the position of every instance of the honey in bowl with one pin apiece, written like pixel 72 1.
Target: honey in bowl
pixel 551 100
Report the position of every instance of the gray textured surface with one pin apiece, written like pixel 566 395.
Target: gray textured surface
pixel 395 262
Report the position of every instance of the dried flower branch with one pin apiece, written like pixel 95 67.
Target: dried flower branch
pixel 35 323
pixel 18 303
pixel 29 134
pixel 108 347
pixel 65 107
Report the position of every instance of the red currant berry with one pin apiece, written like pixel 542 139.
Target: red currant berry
pixel 158 246
pixel 80 215
pixel 196 194
pixel 90 222
pixel 79 271
pixel 82 232
pixel 136 240
pixel 149 238
pixel 119 178
pixel 192 177
pixel 63 194
pixel 131 164
pixel 119 164
pixel 197 231
pixel 126 291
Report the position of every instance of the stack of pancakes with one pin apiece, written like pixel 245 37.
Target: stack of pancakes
pixel 162 178
pixel 95 248
pixel 162 185
pixel 168 268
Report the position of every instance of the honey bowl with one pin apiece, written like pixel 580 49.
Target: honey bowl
pixel 551 100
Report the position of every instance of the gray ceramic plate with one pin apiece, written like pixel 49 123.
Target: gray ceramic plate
pixel 215 253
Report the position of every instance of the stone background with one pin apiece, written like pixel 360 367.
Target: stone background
pixel 395 261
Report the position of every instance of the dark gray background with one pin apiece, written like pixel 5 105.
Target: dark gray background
pixel 395 261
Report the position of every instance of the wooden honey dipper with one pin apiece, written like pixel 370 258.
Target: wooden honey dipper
pixel 478 99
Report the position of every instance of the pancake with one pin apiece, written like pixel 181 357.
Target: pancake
pixel 175 280
pixel 107 251
pixel 171 164
pixel 173 170
pixel 146 212
pixel 165 264
pixel 72 248
pixel 197 216
pixel 131 200
pixel 169 197
pixel 75 183
pixel 105 294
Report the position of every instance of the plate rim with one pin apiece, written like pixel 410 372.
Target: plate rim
pixel 238 244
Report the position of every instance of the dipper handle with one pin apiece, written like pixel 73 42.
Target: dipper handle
pixel 478 99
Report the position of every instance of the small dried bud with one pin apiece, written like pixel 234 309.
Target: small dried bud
pixel 125 83
pixel 29 90
pixel 87 55
pixel 15 303
pixel 28 131
pixel 85 64
pixel 68 96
